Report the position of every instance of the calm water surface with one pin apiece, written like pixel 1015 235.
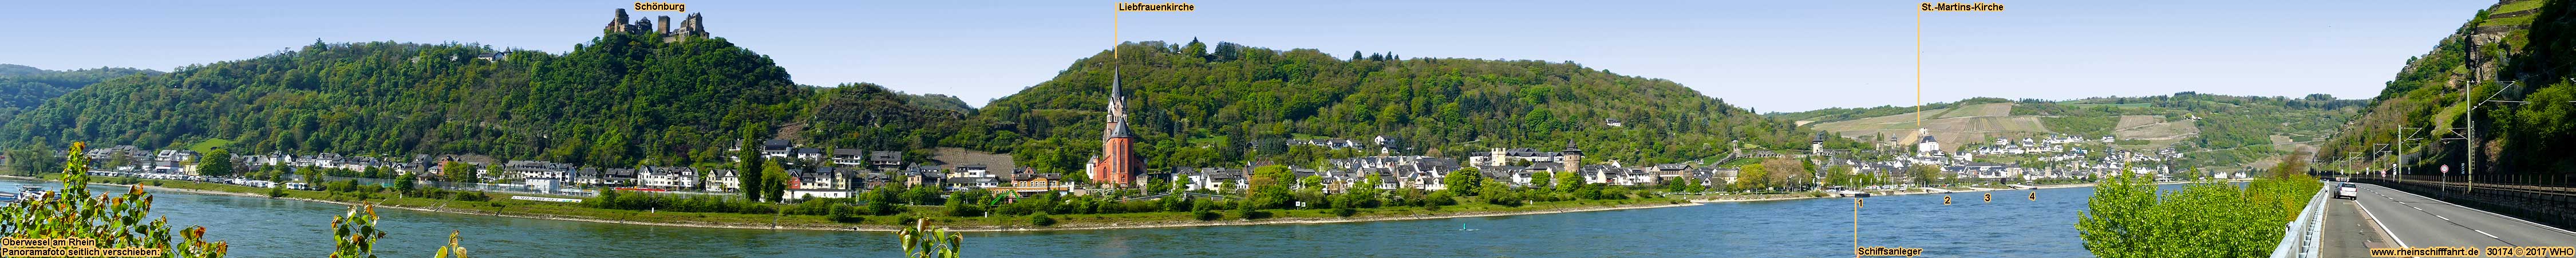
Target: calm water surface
pixel 2011 226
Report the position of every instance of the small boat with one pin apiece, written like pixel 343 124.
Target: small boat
pixel 1850 193
pixel 1463 227
pixel 24 193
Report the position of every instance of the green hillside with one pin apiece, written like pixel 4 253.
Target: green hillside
pixel 2516 51
pixel 23 87
pixel 1197 105
pixel 625 99
pixel 620 99
pixel 2211 130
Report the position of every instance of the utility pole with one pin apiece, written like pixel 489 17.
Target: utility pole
pixel 2469 111
pixel 2401 151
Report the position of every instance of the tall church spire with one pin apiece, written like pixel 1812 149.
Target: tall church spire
pixel 1117 110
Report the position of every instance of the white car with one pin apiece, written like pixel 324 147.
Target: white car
pixel 2348 191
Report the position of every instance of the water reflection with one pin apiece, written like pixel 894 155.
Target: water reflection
pixel 2008 227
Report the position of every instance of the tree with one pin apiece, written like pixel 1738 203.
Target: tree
pixel 1923 174
pixel 407 182
pixel 458 172
pixel 751 169
pixel 1752 177
pixel 1786 170
pixel 1463 182
pixel 218 162
pixel 1195 49
pixel 773 181
pixel 1270 186
pixel 1570 182
pixel 1542 180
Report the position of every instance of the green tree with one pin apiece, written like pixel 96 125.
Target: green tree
pixel 407 182
pixel 773 181
pixel 1270 186
pixel 1542 180
pixel 218 162
pixel 1753 177
pixel 1463 182
pixel 751 170
pixel 458 172
pixel 1924 175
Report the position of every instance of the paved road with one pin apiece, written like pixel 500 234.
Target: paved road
pixel 2348 233
pixel 2418 221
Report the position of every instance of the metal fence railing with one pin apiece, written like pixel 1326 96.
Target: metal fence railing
pixel 2299 238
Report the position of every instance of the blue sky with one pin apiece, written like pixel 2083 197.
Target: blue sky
pixel 1768 55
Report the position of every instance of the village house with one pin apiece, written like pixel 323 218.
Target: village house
pixel 671 178
pixel 849 157
pixel 885 160
pixel 775 148
pixel 723 180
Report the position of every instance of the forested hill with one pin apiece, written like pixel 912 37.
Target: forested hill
pixel 23 87
pixel 619 100
pixel 2518 51
pixel 1196 104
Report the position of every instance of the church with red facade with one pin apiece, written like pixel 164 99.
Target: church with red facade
pixel 1117 165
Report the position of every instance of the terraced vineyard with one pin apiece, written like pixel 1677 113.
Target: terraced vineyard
pixel 2212 130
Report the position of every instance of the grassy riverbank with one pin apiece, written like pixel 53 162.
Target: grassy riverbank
pixel 500 204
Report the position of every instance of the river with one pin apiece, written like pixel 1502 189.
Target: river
pixel 2011 226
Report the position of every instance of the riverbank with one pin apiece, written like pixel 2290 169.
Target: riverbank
pixel 1797 196
pixel 502 206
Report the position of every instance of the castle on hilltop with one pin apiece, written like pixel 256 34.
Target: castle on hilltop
pixel 691 27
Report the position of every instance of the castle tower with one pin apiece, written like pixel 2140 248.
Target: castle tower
pixel 1117 164
pixel 662 24
pixel 617 25
pixel 1573 156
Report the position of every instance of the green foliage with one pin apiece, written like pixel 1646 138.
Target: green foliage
pixel 2080 125
pixel 1463 182
pixel 773 183
pixel 116 221
pixel 2127 217
pixel 1270 187
pixel 968 203
pixel 354 235
pixel 753 171
pixel 639 201
pixel 919 242
pixel 27 87
pixel 1041 220
pixel 621 99
pixel 1241 102
pixel 217 163
pixel 1753 177
pixel 1205 215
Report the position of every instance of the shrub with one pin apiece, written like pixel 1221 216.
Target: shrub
pixel 757 209
pixel 816 206
pixel 1247 212
pixel 1206 215
pixel 474 197
pixel 274 192
pixel 1042 220
pixel 1345 212
pixel 1506 199
pixel 846 214
pixel 1440 199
